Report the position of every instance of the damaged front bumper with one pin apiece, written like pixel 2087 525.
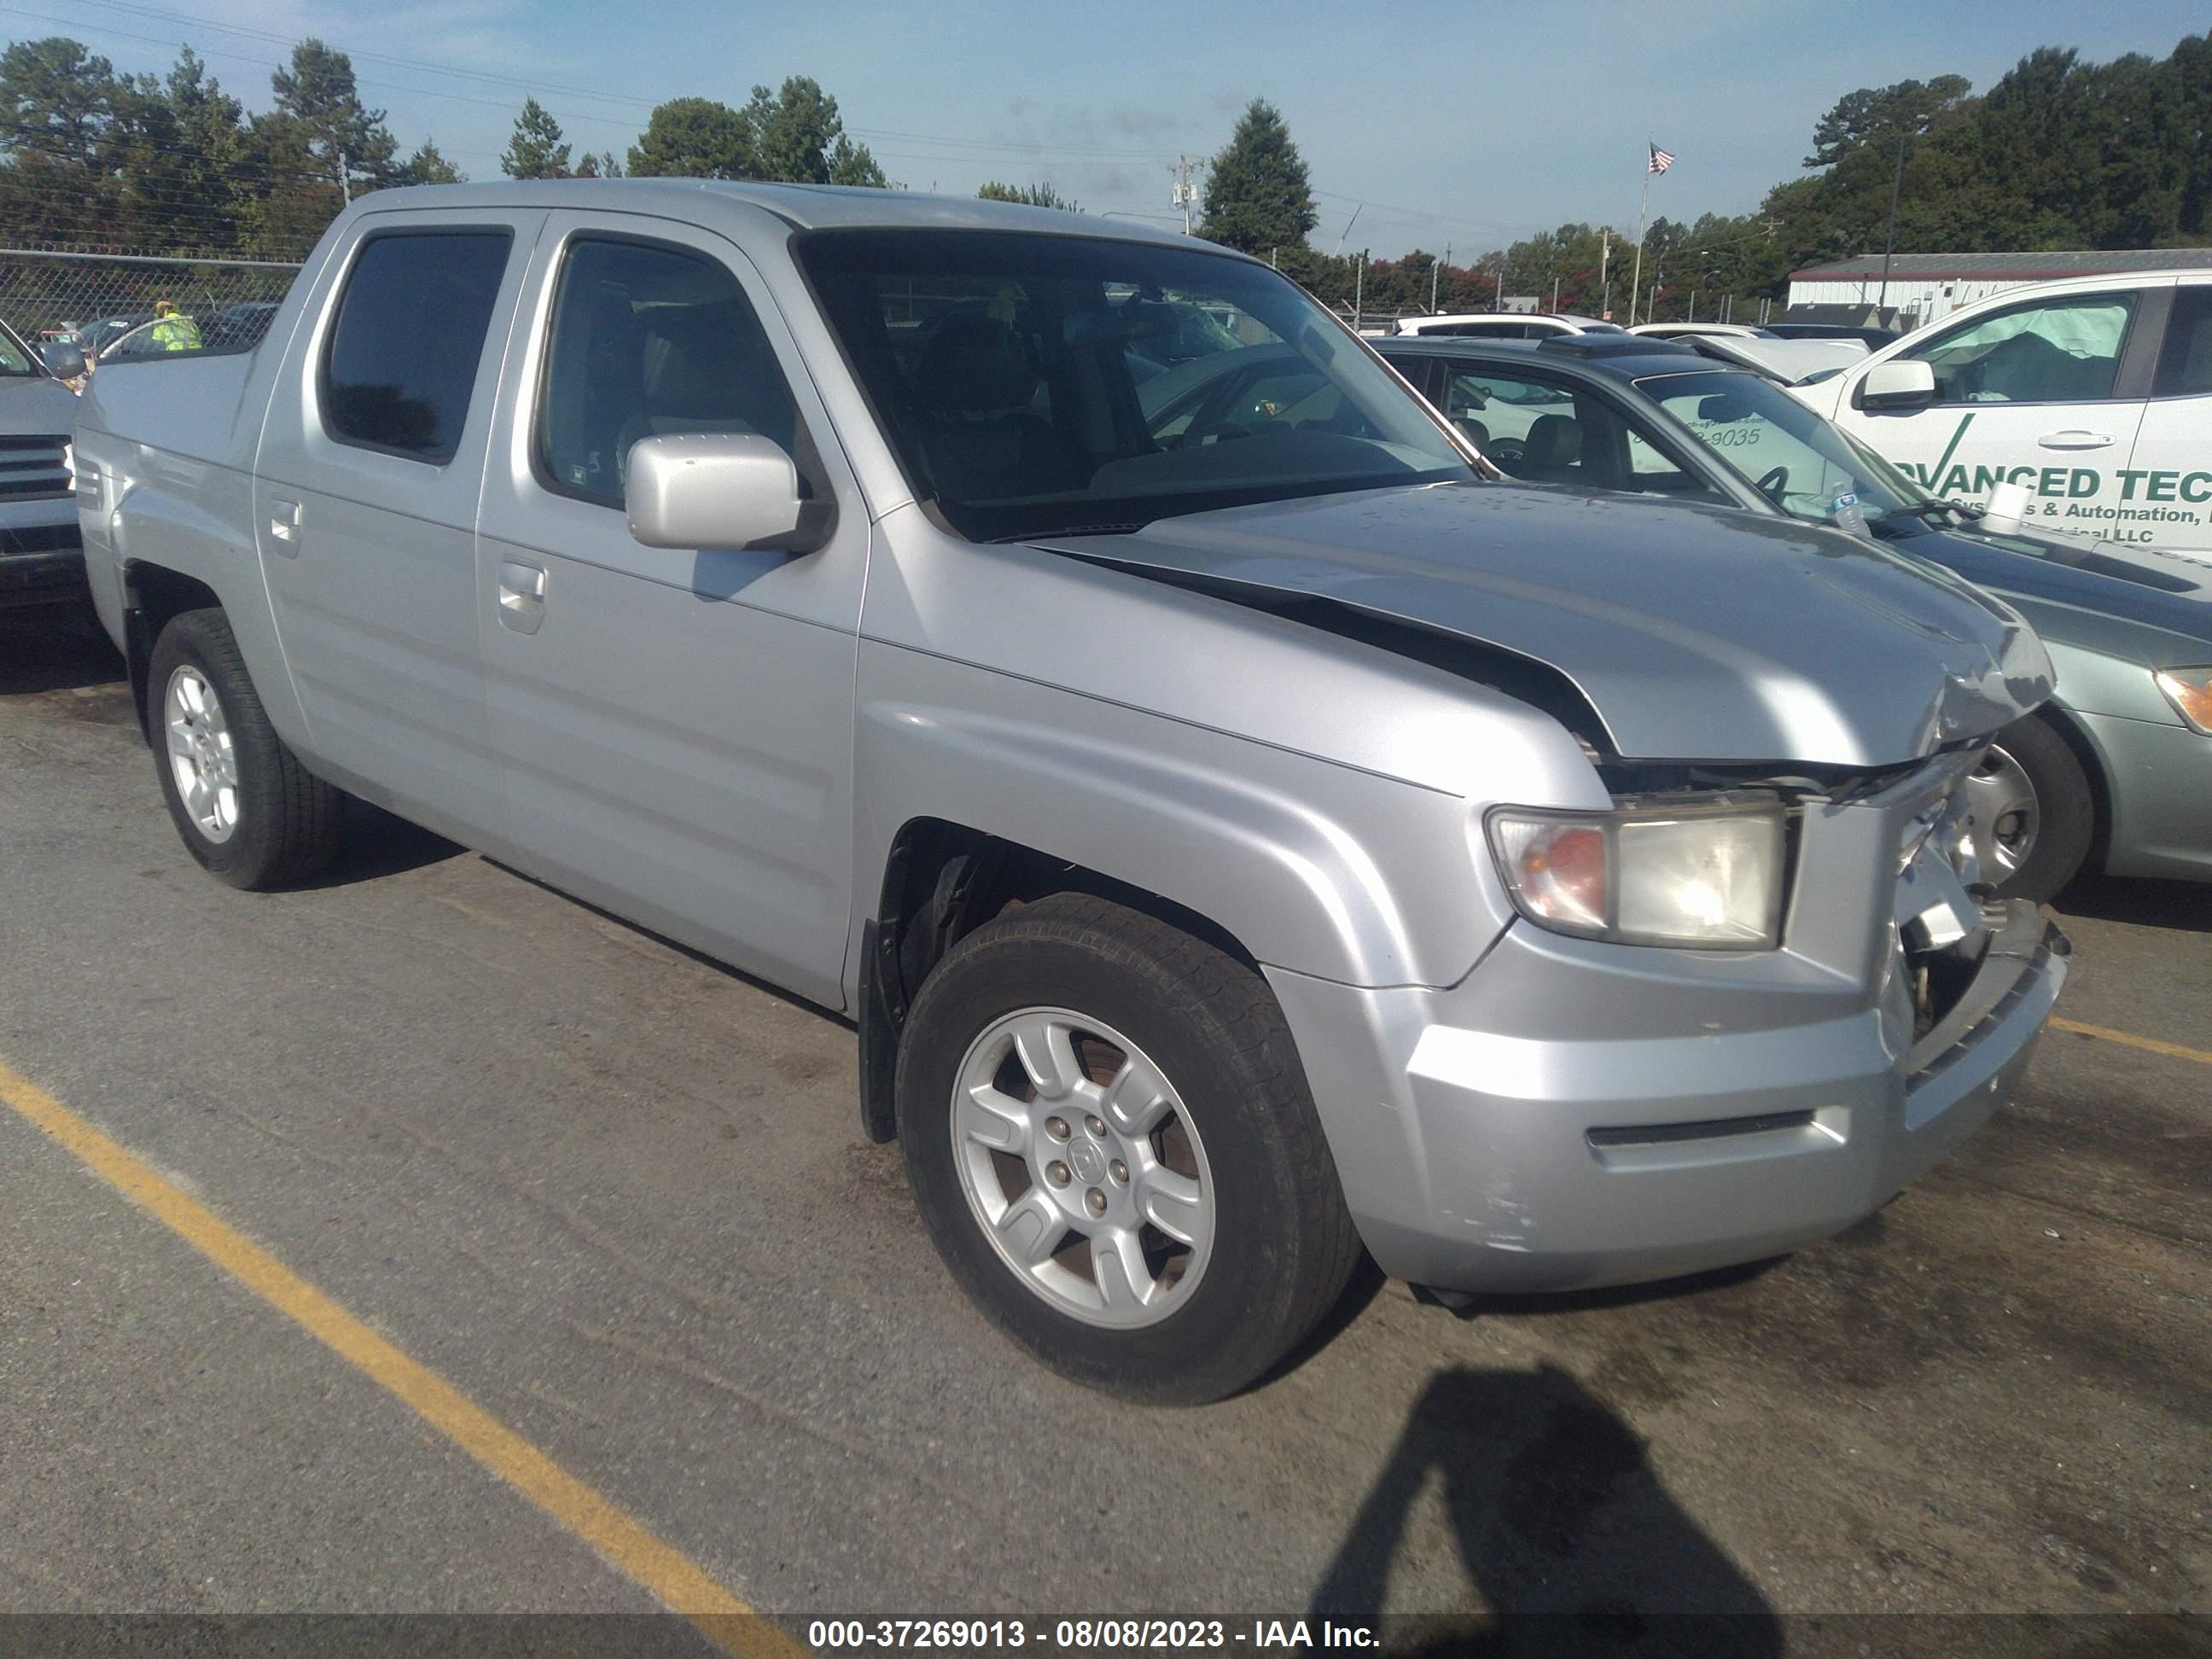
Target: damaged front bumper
pixel 1577 1114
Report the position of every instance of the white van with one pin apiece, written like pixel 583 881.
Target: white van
pixel 2094 393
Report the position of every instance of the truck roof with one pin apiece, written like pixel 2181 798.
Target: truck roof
pixel 803 207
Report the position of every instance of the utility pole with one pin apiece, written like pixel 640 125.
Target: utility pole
pixel 1182 195
pixel 1555 296
pixel 346 185
pixel 1500 305
pixel 1889 243
pixel 1358 287
pixel 1693 305
pixel 1604 283
pixel 1436 273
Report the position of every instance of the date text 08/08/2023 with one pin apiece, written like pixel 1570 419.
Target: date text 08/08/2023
pixel 1090 1635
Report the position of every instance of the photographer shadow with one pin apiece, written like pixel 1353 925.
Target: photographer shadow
pixel 1573 1543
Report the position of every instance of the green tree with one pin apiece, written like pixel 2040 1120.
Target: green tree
pixel 1257 193
pixel 1878 115
pixel 341 136
pixel 798 137
pixel 601 166
pixel 58 100
pixel 1042 195
pixel 695 138
pixel 429 166
pixel 536 149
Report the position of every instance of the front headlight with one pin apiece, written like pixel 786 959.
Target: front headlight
pixel 2190 691
pixel 1706 875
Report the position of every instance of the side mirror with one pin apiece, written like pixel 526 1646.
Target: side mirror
pixel 720 492
pixel 64 360
pixel 1901 383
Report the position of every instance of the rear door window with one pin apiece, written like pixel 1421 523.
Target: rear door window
pixel 401 362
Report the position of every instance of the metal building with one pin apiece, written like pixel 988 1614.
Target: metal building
pixel 1933 285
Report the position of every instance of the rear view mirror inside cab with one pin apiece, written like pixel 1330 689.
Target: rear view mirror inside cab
pixel 1723 409
pixel 720 492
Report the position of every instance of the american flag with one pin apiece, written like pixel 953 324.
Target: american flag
pixel 1661 159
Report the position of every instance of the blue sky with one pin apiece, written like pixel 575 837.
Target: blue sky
pixel 1472 123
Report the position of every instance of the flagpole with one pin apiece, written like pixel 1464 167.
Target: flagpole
pixel 1643 213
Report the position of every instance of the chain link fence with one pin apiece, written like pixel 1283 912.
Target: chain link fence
pixel 96 299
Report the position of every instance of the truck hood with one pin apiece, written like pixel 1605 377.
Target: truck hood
pixel 1694 633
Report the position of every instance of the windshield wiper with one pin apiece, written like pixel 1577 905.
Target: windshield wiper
pixel 1930 510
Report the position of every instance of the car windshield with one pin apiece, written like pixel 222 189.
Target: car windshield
pixel 15 355
pixel 1805 466
pixel 1037 384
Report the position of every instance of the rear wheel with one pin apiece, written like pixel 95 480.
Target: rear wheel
pixel 1111 1142
pixel 247 810
pixel 2033 813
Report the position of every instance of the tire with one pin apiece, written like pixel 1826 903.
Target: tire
pixel 263 819
pixel 1268 1247
pixel 2035 815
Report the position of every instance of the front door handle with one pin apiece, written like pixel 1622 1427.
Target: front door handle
pixel 284 526
pixel 2075 439
pixel 521 596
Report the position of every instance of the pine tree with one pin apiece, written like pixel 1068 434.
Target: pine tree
pixel 536 149
pixel 695 138
pixel 429 166
pixel 1257 193
pixel 344 139
pixel 1030 195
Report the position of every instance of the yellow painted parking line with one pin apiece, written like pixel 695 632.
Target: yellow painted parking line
pixel 2154 1045
pixel 626 1544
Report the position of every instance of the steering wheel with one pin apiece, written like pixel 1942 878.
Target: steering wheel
pixel 1507 450
pixel 1774 484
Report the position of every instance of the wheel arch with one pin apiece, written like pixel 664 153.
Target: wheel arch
pixel 941 880
pixel 153 595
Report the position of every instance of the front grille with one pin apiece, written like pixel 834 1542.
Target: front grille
pixel 31 468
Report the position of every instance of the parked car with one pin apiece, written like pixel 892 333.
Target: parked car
pixel 1684 330
pixel 103 334
pixel 1506 324
pixel 2114 773
pixel 1239 834
pixel 1873 338
pixel 2094 392
pixel 41 555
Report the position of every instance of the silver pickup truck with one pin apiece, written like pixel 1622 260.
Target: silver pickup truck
pixel 1242 833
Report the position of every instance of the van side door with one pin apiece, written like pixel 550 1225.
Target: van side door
pixel 675 728
pixel 365 490
pixel 2047 393
pixel 2169 477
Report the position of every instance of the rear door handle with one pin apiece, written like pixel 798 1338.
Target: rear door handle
pixel 284 526
pixel 521 596
pixel 2075 439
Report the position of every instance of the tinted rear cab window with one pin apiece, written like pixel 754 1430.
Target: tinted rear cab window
pixel 401 362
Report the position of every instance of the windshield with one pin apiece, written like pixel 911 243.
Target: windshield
pixel 15 355
pixel 1807 467
pixel 1040 385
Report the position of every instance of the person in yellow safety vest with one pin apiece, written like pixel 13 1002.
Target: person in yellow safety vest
pixel 172 331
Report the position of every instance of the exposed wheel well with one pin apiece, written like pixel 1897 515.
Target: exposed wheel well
pixel 941 882
pixel 152 595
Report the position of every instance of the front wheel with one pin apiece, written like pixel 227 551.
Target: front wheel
pixel 247 810
pixel 1112 1144
pixel 2033 814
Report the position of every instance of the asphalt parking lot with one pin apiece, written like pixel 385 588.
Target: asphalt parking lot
pixel 616 1202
